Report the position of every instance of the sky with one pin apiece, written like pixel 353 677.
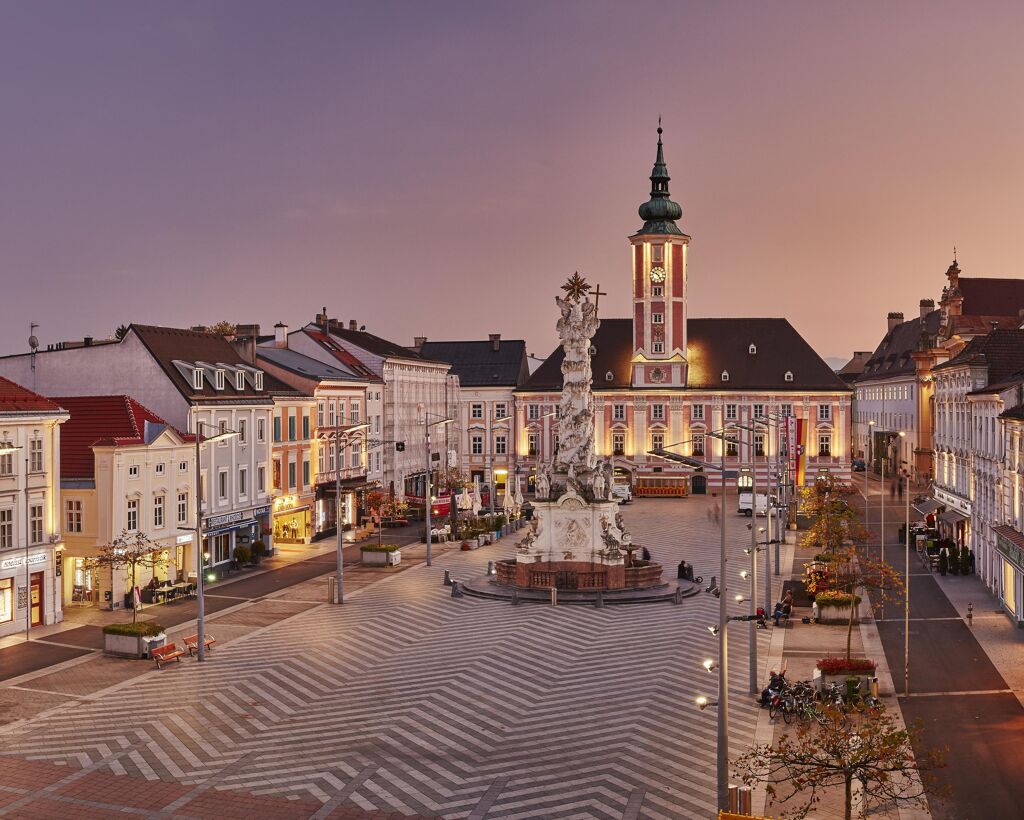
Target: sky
pixel 439 168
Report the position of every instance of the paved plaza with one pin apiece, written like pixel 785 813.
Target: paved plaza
pixel 406 700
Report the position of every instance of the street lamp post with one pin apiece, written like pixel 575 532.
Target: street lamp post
pixel 906 591
pixel 427 424
pixel 754 687
pixel 200 562
pixel 339 594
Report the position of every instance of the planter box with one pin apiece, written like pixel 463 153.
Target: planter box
pixel 381 559
pixel 131 646
pixel 835 615
pixel 819 680
pixel 474 543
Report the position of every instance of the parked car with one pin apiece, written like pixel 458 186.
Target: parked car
pixel 858 465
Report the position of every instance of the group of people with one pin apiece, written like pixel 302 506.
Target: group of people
pixel 784 607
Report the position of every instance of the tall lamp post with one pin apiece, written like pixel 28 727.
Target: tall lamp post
pixel 721 630
pixel 339 593
pixel 906 591
pixel 754 688
pixel 427 424
pixel 774 535
pixel 200 562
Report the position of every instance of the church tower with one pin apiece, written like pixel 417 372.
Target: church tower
pixel 659 287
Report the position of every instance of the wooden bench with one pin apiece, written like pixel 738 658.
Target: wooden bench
pixel 170 652
pixel 192 642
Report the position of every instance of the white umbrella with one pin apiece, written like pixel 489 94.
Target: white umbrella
pixel 519 493
pixel 477 501
pixel 465 500
pixel 508 504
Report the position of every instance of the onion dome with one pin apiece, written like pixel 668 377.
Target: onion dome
pixel 660 213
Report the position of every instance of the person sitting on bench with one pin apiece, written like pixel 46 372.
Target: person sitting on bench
pixel 783 608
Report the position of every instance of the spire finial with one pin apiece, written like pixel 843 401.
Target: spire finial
pixel 954 253
pixel 659 127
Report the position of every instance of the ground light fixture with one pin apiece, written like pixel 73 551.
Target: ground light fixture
pixel 710 665
pixel 703 703
pixel 739 599
pixel 713 630
pixel 744 574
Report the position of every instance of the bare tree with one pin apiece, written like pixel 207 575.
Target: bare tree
pixel 863 745
pixel 131 550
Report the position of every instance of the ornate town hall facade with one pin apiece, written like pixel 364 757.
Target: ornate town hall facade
pixel 662 379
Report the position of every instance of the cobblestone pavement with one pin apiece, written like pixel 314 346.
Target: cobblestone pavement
pixel 406 700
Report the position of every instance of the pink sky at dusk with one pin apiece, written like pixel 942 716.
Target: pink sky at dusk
pixel 439 168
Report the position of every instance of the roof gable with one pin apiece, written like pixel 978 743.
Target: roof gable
pixel 17 399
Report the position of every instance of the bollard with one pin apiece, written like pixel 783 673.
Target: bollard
pixel 456 589
pixel 490 569
pixel 447 578
pixel 515 597
pixel 874 688
pixel 332 588
pixel 554 596
pixel 970 614
pixel 744 799
pixel 678 599
pixel 599 600
pixel 734 798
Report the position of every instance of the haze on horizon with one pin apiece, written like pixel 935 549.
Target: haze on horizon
pixel 438 169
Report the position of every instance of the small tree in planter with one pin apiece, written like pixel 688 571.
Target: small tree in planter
pixel 865 745
pixel 954 558
pixel 943 561
pixel 125 640
pixel 242 555
pixel 965 561
pixel 856 571
pixel 259 549
pixel 835 523
pixel 132 551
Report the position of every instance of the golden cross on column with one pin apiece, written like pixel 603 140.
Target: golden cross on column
pixel 598 293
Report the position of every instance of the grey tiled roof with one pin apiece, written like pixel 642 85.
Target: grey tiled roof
pixel 478 364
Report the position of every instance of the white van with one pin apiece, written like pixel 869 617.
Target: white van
pixel 623 493
pixel 746 504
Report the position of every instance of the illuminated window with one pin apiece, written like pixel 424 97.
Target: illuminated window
pixel 658 318
pixel 618 444
pixel 658 412
pixel 73 518
pixel 500 445
pixel 659 347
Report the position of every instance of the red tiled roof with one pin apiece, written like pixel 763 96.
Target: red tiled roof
pixel 16 399
pixel 105 420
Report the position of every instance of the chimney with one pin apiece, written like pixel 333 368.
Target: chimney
pixel 353 324
pixel 927 306
pixel 87 341
pixel 895 318
pixel 281 335
pixel 495 341
pixel 418 342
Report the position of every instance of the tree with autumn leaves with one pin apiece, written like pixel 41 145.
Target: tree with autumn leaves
pixel 835 532
pixel 842 748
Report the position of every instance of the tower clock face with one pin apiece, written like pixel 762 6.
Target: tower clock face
pixel 657 274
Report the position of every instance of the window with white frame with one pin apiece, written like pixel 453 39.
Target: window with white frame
pixel 197 378
pixel 222 428
pixel 697 444
pixel 657 318
pixel 35 523
pixel 618 444
pixel 133 514
pixel 319 414
pixel 218 379
pixel 353 412
pixel 658 412
pixel 182 466
pixel 73 515
pixel 659 347
pixel 261 429
pixel 657 290
pixel 6 528
pixel 618 412
pixel 243 431
pixel 258 379
pixel 476 411
pixel 6 461
pixel 239 380
pixel 133 471
pixel 697 412
pixel 824 443
pixel 222 485
pixel 657 441
pixel 533 411
pixel 730 412
pixel 158 511
pixel 321 460
pixel 786 410
pixel 500 445
pixel 182 508
pixel 532 444
pixel 731 448
pixel 501 410
pixel 35 455
pixel 476 445
pixel 261 480
pixel 243 481
pixel 557 411
pixel 758 411
pixel 824 412
pixel 758 444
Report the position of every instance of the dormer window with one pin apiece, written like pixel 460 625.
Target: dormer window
pixel 725 375
pixel 239 380
pixel 789 376
pixel 218 379
pixel 609 376
pixel 197 378
pixel 752 350
pixel 258 378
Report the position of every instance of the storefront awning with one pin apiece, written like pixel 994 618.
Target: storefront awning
pixel 927 507
pixel 952 517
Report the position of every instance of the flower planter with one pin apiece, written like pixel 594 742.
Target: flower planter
pixel 820 681
pixel 373 558
pixel 131 646
pixel 835 615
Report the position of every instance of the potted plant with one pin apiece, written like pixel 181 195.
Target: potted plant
pixel 242 555
pixel 838 670
pixel 943 562
pixel 954 558
pixel 834 607
pixel 259 549
pixel 380 555
pixel 129 640
pixel 965 561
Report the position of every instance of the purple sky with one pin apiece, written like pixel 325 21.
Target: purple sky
pixel 437 169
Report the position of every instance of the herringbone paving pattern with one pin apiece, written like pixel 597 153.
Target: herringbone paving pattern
pixel 409 701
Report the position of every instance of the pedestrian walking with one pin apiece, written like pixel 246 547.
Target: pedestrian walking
pixel 717 513
pixel 899 488
pixel 892 490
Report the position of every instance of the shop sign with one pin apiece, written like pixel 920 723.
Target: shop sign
pixel 261 511
pixel 953 501
pixel 19 560
pixel 183 539
pixel 225 520
pixel 1014 554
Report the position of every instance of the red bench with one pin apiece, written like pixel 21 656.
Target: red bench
pixel 192 642
pixel 165 654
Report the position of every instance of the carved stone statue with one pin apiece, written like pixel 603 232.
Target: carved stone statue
pixel 609 477
pixel 600 491
pixel 543 484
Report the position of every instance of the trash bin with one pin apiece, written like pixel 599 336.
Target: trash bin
pixel 154 642
pixel 332 588
pixel 874 688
